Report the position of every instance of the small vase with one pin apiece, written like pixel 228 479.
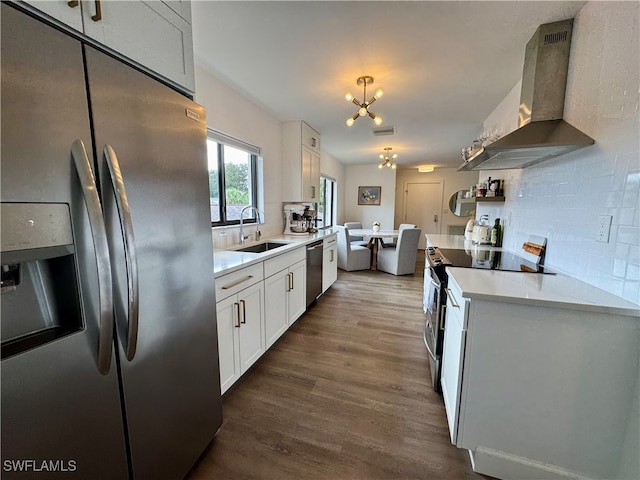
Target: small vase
pixel 376 228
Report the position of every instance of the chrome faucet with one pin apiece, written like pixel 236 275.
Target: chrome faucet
pixel 242 235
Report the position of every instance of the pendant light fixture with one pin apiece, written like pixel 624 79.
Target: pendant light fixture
pixel 387 158
pixel 364 106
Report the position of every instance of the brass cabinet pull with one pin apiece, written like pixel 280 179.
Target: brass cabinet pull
pixel 442 309
pixel 291 280
pixel 98 16
pixel 237 282
pixel 73 3
pixel 454 304
pixel 237 314
pixel 331 259
pixel 244 311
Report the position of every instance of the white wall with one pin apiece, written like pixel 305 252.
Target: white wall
pixel 452 182
pixel 334 169
pixel 369 175
pixel 233 114
pixel 562 199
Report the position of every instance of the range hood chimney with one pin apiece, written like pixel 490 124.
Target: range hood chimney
pixel 542 133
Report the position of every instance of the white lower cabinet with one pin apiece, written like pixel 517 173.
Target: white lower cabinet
pixel 453 357
pixel 241 324
pixel 539 390
pixel 329 262
pixel 285 299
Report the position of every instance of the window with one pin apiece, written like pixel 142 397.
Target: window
pixel 232 179
pixel 327 205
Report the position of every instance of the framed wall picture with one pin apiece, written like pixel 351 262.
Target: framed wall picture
pixel 369 195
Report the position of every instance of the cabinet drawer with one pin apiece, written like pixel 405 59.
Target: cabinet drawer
pixel 310 138
pixel 239 280
pixel 276 264
pixel 456 303
pixel 329 242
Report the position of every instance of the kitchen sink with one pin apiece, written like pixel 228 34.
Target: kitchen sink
pixel 261 247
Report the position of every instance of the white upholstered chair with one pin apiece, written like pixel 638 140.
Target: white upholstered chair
pixel 400 260
pixel 402 226
pixel 355 240
pixel 351 257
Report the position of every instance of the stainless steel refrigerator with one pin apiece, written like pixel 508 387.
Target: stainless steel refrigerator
pixel 109 342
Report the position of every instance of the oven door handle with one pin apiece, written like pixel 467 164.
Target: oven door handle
pixel 426 344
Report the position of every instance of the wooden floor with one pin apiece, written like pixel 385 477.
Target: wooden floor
pixel 345 394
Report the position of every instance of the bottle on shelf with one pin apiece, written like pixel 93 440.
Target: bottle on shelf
pixel 496 234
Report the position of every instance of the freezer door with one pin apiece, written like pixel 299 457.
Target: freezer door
pixel 171 382
pixel 60 415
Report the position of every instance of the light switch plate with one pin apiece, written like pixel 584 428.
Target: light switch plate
pixel 604 228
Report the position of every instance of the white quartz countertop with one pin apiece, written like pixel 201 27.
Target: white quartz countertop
pixel 538 289
pixel 229 260
pixel 558 290
pixel 456 242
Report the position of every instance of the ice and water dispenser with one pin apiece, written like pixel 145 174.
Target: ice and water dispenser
pixel 40 296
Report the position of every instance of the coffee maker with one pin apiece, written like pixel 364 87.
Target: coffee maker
pixel 295 221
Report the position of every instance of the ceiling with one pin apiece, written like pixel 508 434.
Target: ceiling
pixel 444 66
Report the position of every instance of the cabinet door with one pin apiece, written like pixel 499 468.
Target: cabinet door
pixel 307 186
pixel 150 33
pixel 228 329
pixel 452 363
pixel 61 11
pixel 298 291
pixel 314 176
pixel 329 267
pixel 251 332
pixel 276 290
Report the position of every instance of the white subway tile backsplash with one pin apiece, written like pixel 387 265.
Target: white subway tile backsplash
pixel 562 199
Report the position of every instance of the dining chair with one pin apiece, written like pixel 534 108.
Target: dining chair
pixel 351 257
pixel 358 239
pixel 392 244
pixel 400 260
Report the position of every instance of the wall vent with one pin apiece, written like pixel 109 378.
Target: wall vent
pixel 384 131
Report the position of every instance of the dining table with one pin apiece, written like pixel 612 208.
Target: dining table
pixel 376 240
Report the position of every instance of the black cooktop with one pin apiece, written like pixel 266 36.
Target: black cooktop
pixel 489 260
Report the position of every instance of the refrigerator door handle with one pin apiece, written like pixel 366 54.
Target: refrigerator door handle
pixel 99 234
pixel 126 226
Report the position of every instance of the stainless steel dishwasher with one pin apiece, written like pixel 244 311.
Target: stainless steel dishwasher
pixel 314 271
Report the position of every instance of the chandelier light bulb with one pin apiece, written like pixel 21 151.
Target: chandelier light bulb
pixel 381 157
pixel 379 93
pixel 362 112
pixel 393 166
pixel 350 122
pixel 377 120
pixel 380 166
pixel 348 97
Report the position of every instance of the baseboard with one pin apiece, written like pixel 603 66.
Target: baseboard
pixel 512 467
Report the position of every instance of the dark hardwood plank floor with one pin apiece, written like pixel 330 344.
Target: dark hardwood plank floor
pixel 345 394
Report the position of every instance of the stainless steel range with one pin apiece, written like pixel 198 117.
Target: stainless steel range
pixel 435 283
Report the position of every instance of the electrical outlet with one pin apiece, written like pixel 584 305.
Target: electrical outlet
pixel 604 228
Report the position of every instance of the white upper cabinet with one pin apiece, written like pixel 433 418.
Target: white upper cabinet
pixel 69 13
pixel 301 163
pixel 154 34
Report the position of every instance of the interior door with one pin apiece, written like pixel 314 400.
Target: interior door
pixel 56 405
pixel 423 207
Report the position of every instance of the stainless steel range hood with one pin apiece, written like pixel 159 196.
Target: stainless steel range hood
pixel 542 133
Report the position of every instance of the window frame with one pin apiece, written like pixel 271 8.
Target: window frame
pixel 254 152
pixel 328 208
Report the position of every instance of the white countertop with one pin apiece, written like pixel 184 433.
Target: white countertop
pixel 455 241
pixel 538 289
pixel 228 260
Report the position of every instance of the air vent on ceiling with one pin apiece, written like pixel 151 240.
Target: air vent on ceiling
pixel 556 37
pixel 384 131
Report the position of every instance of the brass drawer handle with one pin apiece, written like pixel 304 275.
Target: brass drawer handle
pixel 454 304
pixel 237 282
pixel 98 16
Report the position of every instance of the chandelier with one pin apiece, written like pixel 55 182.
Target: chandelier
pixel 364 106
pixel 387 158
